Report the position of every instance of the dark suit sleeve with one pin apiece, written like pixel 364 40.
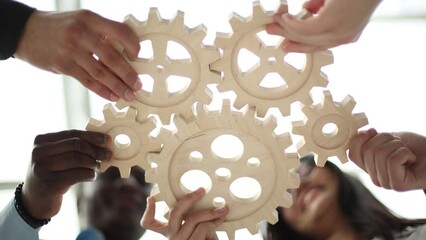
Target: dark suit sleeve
pixel 13 17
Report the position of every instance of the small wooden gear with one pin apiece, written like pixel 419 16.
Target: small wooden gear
pixel 133 149
pixel 328 128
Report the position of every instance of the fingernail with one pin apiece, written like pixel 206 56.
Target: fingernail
pixel 138 85
pixel 129 95
pixel 114 97
pixel 221 209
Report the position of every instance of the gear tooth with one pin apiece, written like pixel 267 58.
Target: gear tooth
pixel 222 39
pixel 236 20
pixel 121 104
pixel 198 33
pixel 154 17
pixel 320 160
pixel 131 113
pixel 327 98
pixel 179 20
pixel 134 24
pixel 258 11
pixel 253 229
pixel 124 172
pixel 361 119
pixel 294 180
pixel 292 159
pixel 109 111
pixel 218 65
pixel 151 176
pixel 342 157
pixel 94 124
pixel 261 111
pixel 104 166
pixel 298 127
pixel 238 103
pixel 288 200
pixel 164 117
pixel 348 103
pixel 324 58
pixel 271 218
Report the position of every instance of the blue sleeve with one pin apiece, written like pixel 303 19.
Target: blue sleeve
pixel 13 17
pixel 13 227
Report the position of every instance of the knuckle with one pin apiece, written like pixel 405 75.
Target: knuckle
pixel 98 72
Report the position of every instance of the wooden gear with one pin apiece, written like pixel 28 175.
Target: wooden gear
pixel 335 141
pixel 160 101
pixel 264 157
pixel 246 85
pixel 125 154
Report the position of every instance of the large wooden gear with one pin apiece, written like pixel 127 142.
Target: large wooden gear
pixel 263 161
pixel 264 158
pixel 247 84
pixel 161 66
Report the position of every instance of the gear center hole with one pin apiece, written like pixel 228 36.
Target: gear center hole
pixel 122 141
pixel 228 148
pixel 330 129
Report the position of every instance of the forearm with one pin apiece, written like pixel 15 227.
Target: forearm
pixel 13 227
pixel 13 17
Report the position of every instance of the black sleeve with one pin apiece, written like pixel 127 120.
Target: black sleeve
pixel 13 17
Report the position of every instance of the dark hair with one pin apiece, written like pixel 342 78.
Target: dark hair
pixel 367 215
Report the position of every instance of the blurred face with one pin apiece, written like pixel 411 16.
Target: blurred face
pixel 315 208
pixel 117 204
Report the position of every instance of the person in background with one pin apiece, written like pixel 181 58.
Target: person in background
pixel 74 43
pixel 331 204
pixel 335 22
pixel 111 206
pixel 394 160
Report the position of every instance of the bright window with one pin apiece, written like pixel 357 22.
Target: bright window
pixel 383 71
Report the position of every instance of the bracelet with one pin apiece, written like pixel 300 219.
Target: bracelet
pixel 34 223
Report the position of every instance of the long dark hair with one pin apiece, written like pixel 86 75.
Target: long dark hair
pixel 367 215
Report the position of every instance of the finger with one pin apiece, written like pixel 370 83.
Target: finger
pixel 313 5
pixel 356 146
pixel 95 138
pixel 401 177
pixel 67 145
pixel 382 155
pixel 374 150
pixel 89 82
pixel 73 176
pixel 204 229
pixel 117 75
pixel 67 161
pixel 119 32
pixel 148 220
pixel 101 46
pixel 105 74
pixel 178 212
pixel 194 220
pixel 291 46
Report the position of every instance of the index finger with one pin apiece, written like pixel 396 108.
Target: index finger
pixel 355 149
pixel 95 138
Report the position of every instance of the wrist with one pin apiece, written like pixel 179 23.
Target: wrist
pixel 22 211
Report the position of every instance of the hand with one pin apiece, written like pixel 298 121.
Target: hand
pixel 393 160
pixel 197 225
pixel 66 43
pixel 335 22
pixel 59 160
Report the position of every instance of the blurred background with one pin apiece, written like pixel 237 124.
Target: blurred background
pixel 383 71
